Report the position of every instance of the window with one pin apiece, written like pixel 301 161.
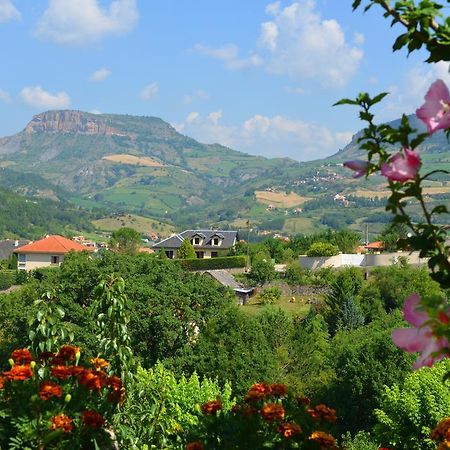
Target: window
pixel 200 255
pixel 55 259
pixel 21 257
pixel 169 254
pixel 215 241
pixel 196 241
pixel 214 254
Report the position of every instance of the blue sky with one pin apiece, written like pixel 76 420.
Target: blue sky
pixel 258 76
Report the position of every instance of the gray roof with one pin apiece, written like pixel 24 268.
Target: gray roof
pixel 229 239
pixel 9 246
pixel 224 278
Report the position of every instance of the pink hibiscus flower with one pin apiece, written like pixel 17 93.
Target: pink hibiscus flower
pixel 359 166
pixel 435 112
pixel 403 166
pixel 420 338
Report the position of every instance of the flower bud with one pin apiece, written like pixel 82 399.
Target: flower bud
pixel 34 398
pixel 33 364
pixel 67 398
pixel 11 362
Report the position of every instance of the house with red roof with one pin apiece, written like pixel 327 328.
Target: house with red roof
pixel 46 252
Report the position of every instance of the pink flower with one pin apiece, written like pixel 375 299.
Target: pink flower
pixel 402 166
pixel 435 112
pixel 420 338
pixel 359 166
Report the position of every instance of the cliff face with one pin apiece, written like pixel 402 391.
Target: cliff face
pixel 68 121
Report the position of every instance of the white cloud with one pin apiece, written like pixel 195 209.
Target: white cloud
pixel 8 11
pixel 199 94
pixel 302 44
pixel 229 54
pixel 149 92
pixel 100 74
pixel 36 97
pixel 84 21
pixel 359 38
pixel 295 90
pixel 275 136
pixel 4 96
pixel 407 96
pixel 95 111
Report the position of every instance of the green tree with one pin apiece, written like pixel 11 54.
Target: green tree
pixel 262 271
pixel 186 250
pixel 125 240
pixel 322 249
pixel 408 411
pixel 391 234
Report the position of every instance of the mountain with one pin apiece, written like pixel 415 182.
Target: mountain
pixel 142 165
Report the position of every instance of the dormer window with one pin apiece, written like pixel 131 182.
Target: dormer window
pixel 215 241
pixel 196 241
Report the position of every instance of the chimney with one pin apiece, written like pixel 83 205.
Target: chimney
pixel 16 243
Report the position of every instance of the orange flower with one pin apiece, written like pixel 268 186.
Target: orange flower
pixel 326 413
pixel 68 352
pixel 21 356
pixel 49 389
pixel 45 356
pixel 278 390
pixel 196 445
pixel 61 372
pixel 325 440
pixel 211 408
pixel 92 419
pixel 303 401
pixel 19 373
pixel 62 421
pixel 92 380
pixel 272 411
pixel 99 363
pixel 442 430
pixel 257 392
pixel 2 382
pixel 289 429
pixel 118 391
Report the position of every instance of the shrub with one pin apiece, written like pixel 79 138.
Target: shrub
pixel 226 262
pixel 7 279
pixel 269 296
pixel 322 249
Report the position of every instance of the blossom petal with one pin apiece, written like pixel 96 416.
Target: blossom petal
pixel 412 339
pixel 358 166
pixel 411 313
pixel 431 353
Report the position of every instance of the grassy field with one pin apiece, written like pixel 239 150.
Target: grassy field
pixel 133 160
pixel 280 199
pixel 139 223
pixel 299 308
pixel 296 225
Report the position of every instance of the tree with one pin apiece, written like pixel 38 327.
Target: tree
pixel 125 240
pixel 262 271
pixel 186 250
pixel 322 249
pixel 391 234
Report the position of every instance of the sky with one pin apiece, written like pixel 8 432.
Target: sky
pixel 257 76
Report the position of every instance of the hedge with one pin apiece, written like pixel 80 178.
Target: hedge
pixel 226 262
pixel 7 279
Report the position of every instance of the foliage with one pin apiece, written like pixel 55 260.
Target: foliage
pixel 54 402
pixel 392 234
pixel 221 262
pixel 7 279
pixel 361 441
pixel 350 316
pixel 159 408
pixel 270 295
pixel 262 271
pixel 409 411
pixel 322 249
pixel 186 250
pixel 110 305
pixel 267 417
pixel 125 240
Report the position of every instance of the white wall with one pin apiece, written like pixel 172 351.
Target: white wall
pixel 37 260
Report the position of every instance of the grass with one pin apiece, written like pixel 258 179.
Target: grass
pixel 280 199
pixel 133 160
pixel 299 308
pixel 298 225
pixel 139 223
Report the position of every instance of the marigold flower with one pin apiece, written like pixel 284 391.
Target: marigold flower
pixel 211 408
pixel 289 429
pixel 257 392
pixel 49 389
pixel 325 440
pixel 303 401
pixel 420 338
pixel 272 411
pixel 92 380
pixel 21 356
pixel 278 390
pixel 92 419
pixel 442 430
pixel 19 373
pixel 326 413
pixel 61 372
pixel 99 363
pixel 118 391
pixel 45 356
pixel 195 445
pixel 2 382
pixel 68 352
pixel 62 421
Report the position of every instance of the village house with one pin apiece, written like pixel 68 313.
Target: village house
pixel 46 252
pixel 9 246
pixel 206 243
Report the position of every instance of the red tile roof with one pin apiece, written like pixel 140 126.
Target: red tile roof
pixel 375 245
pixel 52 244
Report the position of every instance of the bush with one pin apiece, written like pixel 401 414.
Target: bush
pixel 322 249
pixel 226 262
pixel 269 296
pixel 7 279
